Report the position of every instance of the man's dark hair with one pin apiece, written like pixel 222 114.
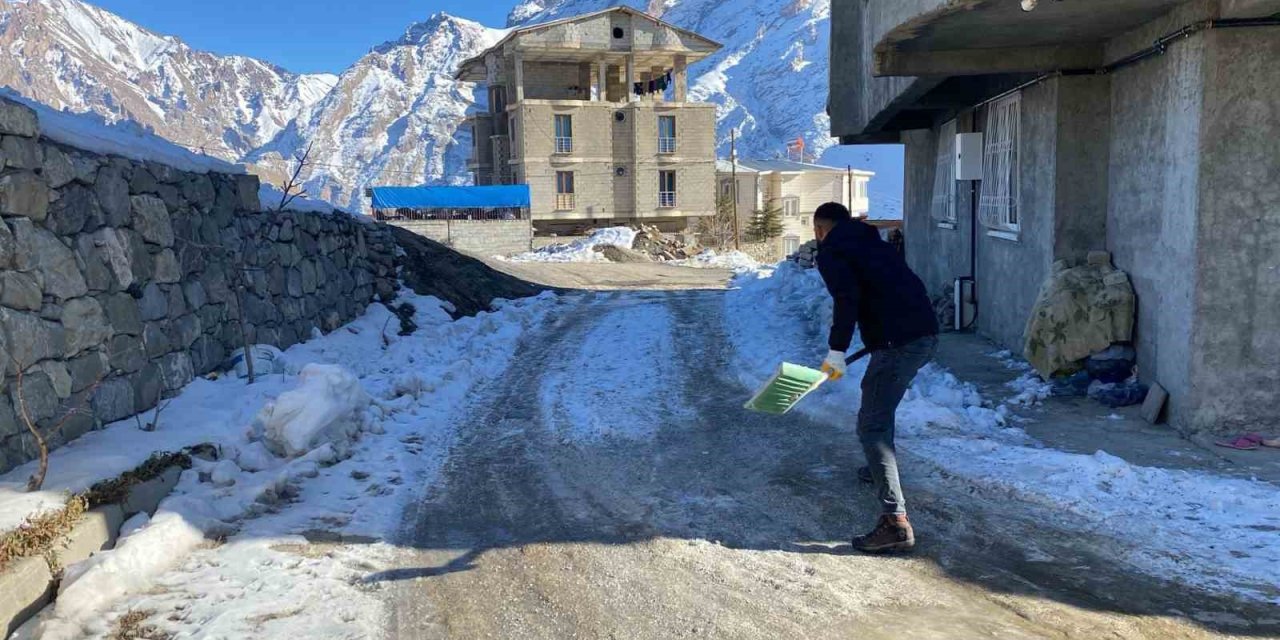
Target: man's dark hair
pixel 832 212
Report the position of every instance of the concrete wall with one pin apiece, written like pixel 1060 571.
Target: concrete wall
pixel 118 279
pixel 1235 362
pixel 481 237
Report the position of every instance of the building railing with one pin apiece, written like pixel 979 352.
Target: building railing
pixel 564 144
pixel 667 199
pixel 564 201
pixel 666 145
pixel 487 213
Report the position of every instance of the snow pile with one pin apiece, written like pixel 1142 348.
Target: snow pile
pixel 270 197
pixel 404 390
pixel 1160 518
pixel 582 250
pixel 1029 389
pixel 91 132
pixel 327 407
pixel 736 261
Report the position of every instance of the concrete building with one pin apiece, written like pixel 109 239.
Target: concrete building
pixel 1165 155
pixel 592 112
pixel 796 189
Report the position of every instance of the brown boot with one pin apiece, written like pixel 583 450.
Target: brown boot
pixel 892 534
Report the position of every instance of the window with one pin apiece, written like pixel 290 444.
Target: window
pixel 564 134
pixel 790 244
pixel 666 134
pixel 944 175
pixel 726 188
pixel 618 33
pixel 998 207
pixel 804 221
pixel 791 206
pixel 564 190
pixel 666 189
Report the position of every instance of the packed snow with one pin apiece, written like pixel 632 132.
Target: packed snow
pixel 735 261
pixel 125 138
pixel 1161 518
pixel 357 432
pixel 581 250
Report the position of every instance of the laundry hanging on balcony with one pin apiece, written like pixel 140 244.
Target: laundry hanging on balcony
pixel 657 85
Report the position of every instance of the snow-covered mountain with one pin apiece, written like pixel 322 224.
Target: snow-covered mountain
pixel 71 55
pixel 393 117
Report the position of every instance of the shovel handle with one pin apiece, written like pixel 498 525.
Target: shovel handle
pixel 858 355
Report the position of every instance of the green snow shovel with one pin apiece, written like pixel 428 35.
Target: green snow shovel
pixel 791 383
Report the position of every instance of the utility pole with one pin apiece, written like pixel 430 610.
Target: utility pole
pixel 849 177
pixel 733 159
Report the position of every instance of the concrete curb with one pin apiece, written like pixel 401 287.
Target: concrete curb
pixel 29 584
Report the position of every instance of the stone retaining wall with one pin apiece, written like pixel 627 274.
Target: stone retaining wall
pixel 480 237
pixel 118 279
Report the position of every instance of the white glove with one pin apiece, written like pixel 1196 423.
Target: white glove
pixel 834 366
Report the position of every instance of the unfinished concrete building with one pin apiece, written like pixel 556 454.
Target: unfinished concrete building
pixel 592 112
pixel 1146 128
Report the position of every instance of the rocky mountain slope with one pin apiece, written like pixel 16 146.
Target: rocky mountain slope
pixel 392 117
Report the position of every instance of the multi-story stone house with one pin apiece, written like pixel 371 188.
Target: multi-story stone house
pixel 592 112
pixel 794 188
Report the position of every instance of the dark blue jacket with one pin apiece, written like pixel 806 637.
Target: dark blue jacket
pixel 872 285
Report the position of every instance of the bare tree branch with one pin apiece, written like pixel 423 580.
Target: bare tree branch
pixel 293 188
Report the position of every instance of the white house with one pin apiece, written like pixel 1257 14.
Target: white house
pixel 796 188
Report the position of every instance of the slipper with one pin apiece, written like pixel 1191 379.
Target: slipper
pixel 1247 442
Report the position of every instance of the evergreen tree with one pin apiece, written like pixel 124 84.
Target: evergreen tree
pixel 766 224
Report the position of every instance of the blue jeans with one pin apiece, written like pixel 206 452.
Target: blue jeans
pixel 889 374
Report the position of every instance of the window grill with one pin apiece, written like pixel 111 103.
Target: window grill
pixel 667 189
pixel 666 134
pixel 944 177
pixel 998 208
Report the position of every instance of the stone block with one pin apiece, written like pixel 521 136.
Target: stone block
pixel 184 331
pixel 87 369
pixel 167 269
pixel 247 186
pixel 37 395
pixel 26 586
pixel 146 496
pixel 96 531
pixel 76 206
pixel 23 193
pixel 108 264
pixel 143 182
pixel 151 219
pixel 176 371
pixel 113 400
pixel 21 153
pixel 58 169
pixel 112 190
pixel 293 283
pixel 154 304
pixel 122 313
pixel 20 291
pixel 85 325
pixel 8 247
pixel 195 295
pixel 164 173
pixel 9 425
pixel 31 339
pixel 146 387
pixel 125 353
pixel 309 276
pixel 59 377
pixel 177 305
pixel 155 340
pixel 171 196
pixel 198 191
pixel 41 251
pixel 140 261
pixel 18 119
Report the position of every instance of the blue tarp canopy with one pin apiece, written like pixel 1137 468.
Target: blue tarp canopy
pixel 497 197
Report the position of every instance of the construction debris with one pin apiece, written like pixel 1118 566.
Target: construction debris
pixel 614 253
pixel 659 246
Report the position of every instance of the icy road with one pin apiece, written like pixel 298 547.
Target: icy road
pixel 610 486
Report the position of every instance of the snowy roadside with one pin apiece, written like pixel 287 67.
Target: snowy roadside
pixel 1199 528
pixel 332 449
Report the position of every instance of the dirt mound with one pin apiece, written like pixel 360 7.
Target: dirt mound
pixel 432 269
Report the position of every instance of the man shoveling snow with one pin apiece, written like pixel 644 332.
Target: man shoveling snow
pixel 872 286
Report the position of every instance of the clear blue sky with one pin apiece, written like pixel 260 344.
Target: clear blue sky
pixel 300 35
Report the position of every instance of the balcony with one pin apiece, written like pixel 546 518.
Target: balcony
pixel 564 144
pixel 666 145
pixel 667 199
pixel 564 202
